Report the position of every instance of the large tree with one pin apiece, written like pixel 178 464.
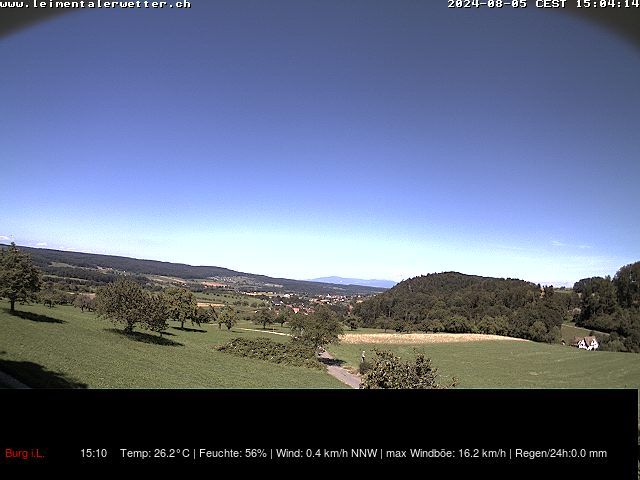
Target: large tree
pixel 598 296
pixel 123 301
pixel 318 329
pixel 19 279
pixel 264 316
pixel 182 306
pixel 156 313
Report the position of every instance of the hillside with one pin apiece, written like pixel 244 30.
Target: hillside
pixel 58 262
pixel 458 303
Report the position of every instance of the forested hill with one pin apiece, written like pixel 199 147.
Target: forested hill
pixel 454 283
pixel 454 302
pixel 58 262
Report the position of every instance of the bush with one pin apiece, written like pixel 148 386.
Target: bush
pixel 295 354
pixel 611 343
pixel 389 372
pixel 364 367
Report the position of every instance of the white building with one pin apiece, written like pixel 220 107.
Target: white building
pixel 586 343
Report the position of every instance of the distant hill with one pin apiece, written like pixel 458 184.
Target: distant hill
pixel 59 262
pixel 355 281
pixel 458 303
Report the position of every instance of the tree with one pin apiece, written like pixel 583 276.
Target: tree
pixel 230 321
pixel 123 301
pixel 389 372
pixel 597 296
pixel 156 313
pixel 84 300
pixel 227 317
pixel 384 322
pixel 627 283
pixel 19 279
pixel 284 316
pixel 352 321
pixel 205 315
pixel 538 331
pixel 264 316
pixel 48 297
pixel 318 329
pixel 182 306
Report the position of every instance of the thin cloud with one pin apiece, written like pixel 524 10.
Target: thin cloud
pixel 556 243
pixel 41 244
pixel 4 237
pixel 510 247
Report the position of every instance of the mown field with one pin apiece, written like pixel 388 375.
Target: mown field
pixel 63 347
pixel 513 364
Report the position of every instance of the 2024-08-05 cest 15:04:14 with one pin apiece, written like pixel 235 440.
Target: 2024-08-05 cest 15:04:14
pixel 543 3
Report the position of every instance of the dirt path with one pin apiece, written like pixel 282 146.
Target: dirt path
pixel 265 331
pixel 333 366
pixel 335 370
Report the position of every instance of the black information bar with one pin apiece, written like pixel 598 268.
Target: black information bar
pixel 511 431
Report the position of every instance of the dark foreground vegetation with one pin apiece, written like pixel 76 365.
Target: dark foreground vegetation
pixel 294 353
pixel 388 371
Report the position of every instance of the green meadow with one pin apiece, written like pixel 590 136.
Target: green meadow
pixel 513 364
pixel 63 347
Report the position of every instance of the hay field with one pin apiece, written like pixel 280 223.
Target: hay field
pixel 420 338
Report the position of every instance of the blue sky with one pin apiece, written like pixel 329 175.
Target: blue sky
pixel 370 139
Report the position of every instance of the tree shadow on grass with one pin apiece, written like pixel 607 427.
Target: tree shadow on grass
pixel 186 329
pixel 34 317
pixel 35 375
pixel 146 338
pixel 331 361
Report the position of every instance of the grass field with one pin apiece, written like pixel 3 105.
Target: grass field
pixel 63 347
pixel 514 364
pixel 231 299
pixel 569 331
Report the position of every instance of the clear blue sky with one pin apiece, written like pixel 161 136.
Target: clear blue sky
pixel 371 139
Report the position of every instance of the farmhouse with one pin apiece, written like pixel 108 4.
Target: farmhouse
pixel 586 343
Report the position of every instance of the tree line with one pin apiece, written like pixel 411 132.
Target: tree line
pixel 612 305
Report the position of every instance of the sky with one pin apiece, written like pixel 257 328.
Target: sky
pixel 307 138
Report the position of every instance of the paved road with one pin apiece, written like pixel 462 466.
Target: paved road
pixel 335 370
